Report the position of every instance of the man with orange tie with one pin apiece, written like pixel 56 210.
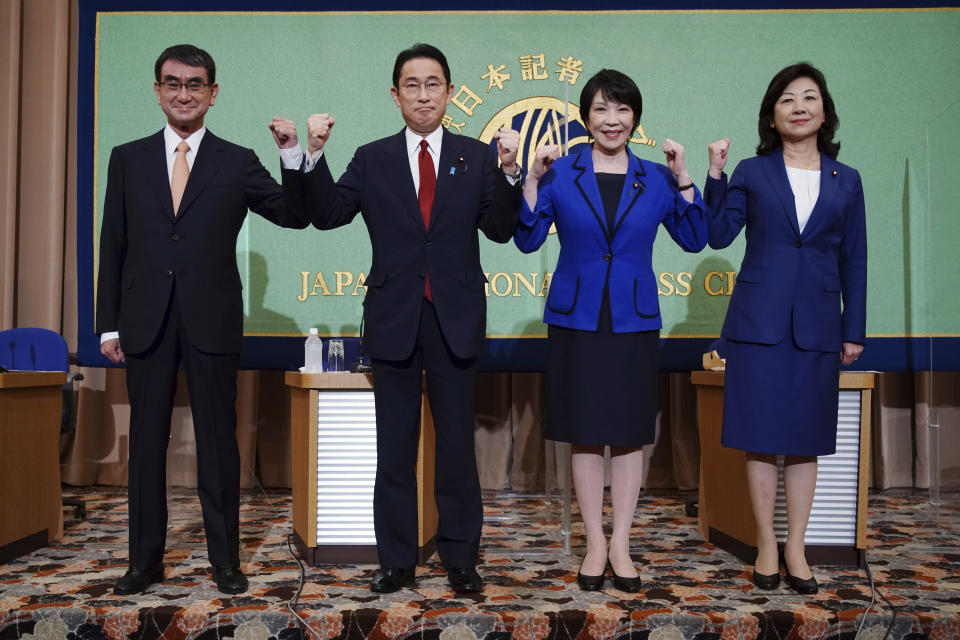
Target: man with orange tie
pixel 169 291
pixel 424 192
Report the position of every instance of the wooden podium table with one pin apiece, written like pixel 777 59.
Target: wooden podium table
pixel 31 515
pixel 837 530
pixel 333 446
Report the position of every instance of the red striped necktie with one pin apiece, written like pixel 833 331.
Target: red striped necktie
pixel 428 185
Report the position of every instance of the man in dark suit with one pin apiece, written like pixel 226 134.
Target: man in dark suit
pixel 423 193
pixel 168 291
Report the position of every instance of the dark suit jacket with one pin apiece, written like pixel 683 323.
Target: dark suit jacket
pixel 788 278
pixel 471 193
pixel 593 256
pixel 145 249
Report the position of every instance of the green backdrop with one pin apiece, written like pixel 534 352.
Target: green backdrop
pixel 893 75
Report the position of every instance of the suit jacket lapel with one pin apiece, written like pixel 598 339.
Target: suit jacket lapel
pixel 451 157
pixel 205 166
pixel 633 186
pixel 777 175
pixel 829 183
pixel 155 166
pixel 586 182
pixel 397 166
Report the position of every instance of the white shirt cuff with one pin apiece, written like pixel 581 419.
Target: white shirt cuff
pixel 291 158
pixel 109 335
pixel 312 161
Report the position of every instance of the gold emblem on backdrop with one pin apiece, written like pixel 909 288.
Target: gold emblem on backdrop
pixel 541 120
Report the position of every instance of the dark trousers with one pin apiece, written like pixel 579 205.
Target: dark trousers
pixel 151 384
pixel 451 387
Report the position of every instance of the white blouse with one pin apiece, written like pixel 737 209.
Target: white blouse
pixel 805 184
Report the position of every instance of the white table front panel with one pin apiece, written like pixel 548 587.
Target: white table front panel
pixel 346 467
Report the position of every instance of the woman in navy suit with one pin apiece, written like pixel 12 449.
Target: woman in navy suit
pixel 799 306
pixel 602 309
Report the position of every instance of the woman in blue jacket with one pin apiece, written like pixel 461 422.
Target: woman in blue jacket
pixel 799 305
pixel 602 309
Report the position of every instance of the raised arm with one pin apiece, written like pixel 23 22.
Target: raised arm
pixel 329 204
pixel 537 212
pixel 726 203
pixel 499 213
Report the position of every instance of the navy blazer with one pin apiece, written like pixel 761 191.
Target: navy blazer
pixel 145 249
pixel 472 193
pixel 591 255
pixel 789 279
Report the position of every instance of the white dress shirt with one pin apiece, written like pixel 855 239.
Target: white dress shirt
pixel 805 184
pixel 413 152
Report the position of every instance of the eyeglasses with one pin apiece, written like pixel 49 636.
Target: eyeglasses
pixel 433 87
pixel 192 86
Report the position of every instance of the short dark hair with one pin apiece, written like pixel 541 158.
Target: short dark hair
pixel 420 50
pixel 770 137
pixel 189 55
pixel 615 87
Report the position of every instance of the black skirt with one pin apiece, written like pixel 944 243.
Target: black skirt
pixel 602 386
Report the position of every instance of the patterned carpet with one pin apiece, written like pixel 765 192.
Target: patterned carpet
pixel 692 590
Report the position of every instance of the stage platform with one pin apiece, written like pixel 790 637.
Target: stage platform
pixel 692 589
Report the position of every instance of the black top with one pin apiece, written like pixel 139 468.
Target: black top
pixel 611 186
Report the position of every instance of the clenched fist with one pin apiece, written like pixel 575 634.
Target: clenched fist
pixel 284 132
pixel 675 160
pixel 543 159
pixel 508 143
pixel 718 156
pixel 318 130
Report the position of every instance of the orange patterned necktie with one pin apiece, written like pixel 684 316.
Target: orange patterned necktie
pixel 181 171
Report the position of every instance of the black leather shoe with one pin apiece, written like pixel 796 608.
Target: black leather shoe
pixel 137 580
pixel 392 579
pixel 465 580
pixel 589 583
pixel 805 586
pixel 229 580
pixel 764 581
pixel 628 585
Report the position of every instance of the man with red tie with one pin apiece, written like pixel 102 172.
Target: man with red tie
pixel 423 194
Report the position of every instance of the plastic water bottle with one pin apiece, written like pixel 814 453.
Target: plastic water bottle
pixel 313 353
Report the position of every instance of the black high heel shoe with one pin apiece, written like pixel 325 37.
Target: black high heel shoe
pixel 589 583
pixel 768 582
pixel 627 585
pixel 805 586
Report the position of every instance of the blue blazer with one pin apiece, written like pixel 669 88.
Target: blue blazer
pixel 789 279
pixel 592 255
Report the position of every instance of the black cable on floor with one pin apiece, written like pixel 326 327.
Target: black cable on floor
pixel 873 598
pixel 874 592
pixel 893 618
pixel 296 595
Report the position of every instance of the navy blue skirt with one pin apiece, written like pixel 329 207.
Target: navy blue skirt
pixel 780 399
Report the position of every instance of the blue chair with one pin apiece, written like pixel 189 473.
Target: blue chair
pixel 34 349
